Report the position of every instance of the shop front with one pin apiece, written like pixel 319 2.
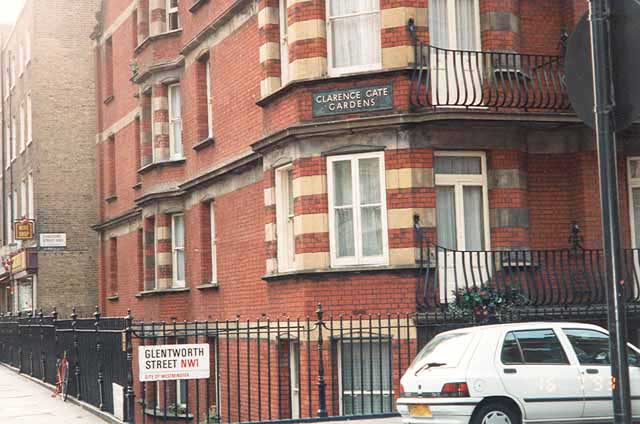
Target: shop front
pixel 23 281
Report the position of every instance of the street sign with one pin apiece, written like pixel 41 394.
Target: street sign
pixel 174 362
pixel 53 240
pixel 352 100
pixel 625 39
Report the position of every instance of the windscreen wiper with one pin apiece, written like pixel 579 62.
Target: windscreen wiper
pixel 429 365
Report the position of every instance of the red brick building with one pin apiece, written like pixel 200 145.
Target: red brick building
pixel 263 156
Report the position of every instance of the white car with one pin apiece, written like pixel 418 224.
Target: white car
pixel 515 373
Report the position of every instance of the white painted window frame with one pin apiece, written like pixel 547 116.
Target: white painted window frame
pixel 23 199
pixel 459 182
pixel 31 207
pixel 333 71
pixel 14 205
pixel 14 140
pixel 8 218
pixel 23 128
pixel 285 232
pixel 175 118
pixel 284 41
pixel 29 119
pixel 214 248
pixel 209 87
pixel 175 249
pixel 172 11
pixel 341 345
pixel 452 25
pixel 358 259
pixel 7 146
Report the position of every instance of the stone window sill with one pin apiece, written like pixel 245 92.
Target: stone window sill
pixel 108 100
pixel 160 163
pixel 196 4
pixel 137 186
pixel 209 141
pixel 208 286
pixel 343 270
pixel 111 198
pixel 113 297
pixel 158 292
pixel 151 38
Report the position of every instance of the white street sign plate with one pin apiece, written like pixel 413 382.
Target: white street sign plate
pixel 174 362
pixel 53 240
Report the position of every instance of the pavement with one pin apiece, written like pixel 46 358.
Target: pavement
pixel 24 401
pixel 395 420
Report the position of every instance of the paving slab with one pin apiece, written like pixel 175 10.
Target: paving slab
pixel 24 401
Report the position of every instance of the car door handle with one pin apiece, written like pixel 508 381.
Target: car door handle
pixel 592 371
pixel 510 371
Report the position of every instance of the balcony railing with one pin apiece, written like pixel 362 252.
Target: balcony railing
pixel 540 278
pixel 486 79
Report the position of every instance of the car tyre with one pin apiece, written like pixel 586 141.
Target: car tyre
pixel 496 413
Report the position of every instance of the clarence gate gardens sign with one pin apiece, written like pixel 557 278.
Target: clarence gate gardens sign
pixel 352 100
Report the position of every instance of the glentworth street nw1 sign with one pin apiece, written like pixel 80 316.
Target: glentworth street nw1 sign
pixel 173 362
pixel 352 100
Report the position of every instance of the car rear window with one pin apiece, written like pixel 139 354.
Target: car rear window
pixel 533 347
pixel 445 349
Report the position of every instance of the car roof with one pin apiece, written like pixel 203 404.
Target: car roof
pixel 524 326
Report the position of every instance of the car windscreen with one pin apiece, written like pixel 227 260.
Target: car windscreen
pixel 444 349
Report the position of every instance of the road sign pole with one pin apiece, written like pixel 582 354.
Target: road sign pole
pixel 606 140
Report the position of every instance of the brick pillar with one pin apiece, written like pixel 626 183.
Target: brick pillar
pixel 143 20
pixel 157 17
pixel 410 192
pixel 149 253
pixel 160 110
pixel 508 200
pixel 270 243
pixel 146 143
pixel 311 220
pixel 269 29
pixel 397 46
pixel 307 39
pixel 163 251
pixel 500 25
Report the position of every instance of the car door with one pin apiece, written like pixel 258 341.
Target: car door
pixel 591 347
pixel 535 369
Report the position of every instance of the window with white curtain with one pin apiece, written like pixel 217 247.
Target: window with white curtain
pixel 177 249
pixel 31 208
pixel 367 389
pixel 461 200
pixel 284 219
pixel 284 42
pixel 173 17
pixel 8 219
pixel 14 206
pixel 29 120
pixel 7 146
pixel 175 122
pixel 357 209
pixel 353 31
pixel 454 24
pixel 209 97
pixel 22 128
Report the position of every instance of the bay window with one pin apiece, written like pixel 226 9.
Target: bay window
pixel 357 210
pixel 177 250
pixel 284 219
pixel 175 122
pixel 353 35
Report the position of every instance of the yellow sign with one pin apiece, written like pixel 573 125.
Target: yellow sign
pixel 24 229
pixel 19 262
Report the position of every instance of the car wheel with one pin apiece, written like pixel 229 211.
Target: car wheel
pixel 495 413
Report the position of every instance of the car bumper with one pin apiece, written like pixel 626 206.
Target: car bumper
pixel 443 410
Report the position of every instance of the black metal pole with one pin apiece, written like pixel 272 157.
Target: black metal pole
pixel 604 96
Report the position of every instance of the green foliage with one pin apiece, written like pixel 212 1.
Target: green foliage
pixel 485 303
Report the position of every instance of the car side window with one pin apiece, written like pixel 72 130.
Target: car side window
pixel 592 347
pixel 541 347
pixel 511 353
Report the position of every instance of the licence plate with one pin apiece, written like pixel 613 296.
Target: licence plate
pixel 419 410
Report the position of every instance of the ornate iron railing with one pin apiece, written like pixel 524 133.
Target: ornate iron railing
pixel 556 277
pixel 486 79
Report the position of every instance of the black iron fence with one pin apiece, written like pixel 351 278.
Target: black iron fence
pixel 93 346
pixel 486 79
pixel 261 370
pixel 528 278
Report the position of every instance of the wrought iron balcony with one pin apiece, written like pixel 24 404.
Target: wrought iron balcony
pixel 445 78
pixel 537 278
